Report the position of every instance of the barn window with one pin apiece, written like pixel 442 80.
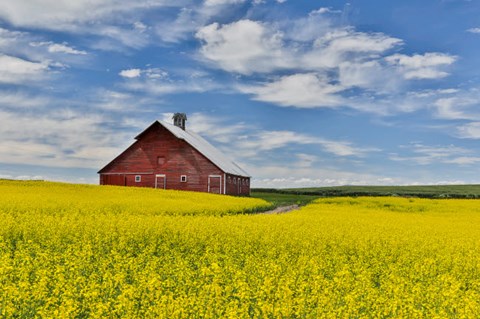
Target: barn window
pixel 161 160
pixel 229 180
pixel 234 180
pixel 183 178
pixel 138 178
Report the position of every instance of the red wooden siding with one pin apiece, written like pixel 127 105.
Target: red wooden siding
pixel 237 185
pixel 177 158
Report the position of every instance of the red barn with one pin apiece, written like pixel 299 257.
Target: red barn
pixel 169 156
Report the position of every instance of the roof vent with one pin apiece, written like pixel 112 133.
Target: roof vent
pixel 179 120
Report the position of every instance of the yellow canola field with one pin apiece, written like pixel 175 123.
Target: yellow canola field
pixel 70 199
pixel 336 258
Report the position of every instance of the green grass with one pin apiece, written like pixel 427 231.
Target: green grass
pixel 279 199
pixel 425 191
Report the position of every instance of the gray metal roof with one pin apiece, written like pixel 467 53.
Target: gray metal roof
pixel 207 149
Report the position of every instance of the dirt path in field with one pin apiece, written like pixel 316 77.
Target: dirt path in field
pixel 282 209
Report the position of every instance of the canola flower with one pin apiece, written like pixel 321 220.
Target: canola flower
pixel 81 256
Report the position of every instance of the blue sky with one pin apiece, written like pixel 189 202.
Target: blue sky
pixel 299 93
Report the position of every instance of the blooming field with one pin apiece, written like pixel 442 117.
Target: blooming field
pixel 82 256
pixel 70 199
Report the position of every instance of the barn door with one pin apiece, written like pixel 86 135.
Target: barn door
pixel 161 181
pixel 215 184
pixel 115 179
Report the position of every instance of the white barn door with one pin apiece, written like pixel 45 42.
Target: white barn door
pixel 161 181
pixel 215 184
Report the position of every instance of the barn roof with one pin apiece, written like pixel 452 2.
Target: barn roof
pixel 206 149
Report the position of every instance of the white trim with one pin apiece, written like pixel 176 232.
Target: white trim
pixel 138 178
pixel 164 180
pixel 215 176
pixel 224 183
pixel 181 178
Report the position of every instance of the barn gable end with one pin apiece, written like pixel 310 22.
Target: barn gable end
pixel 162 157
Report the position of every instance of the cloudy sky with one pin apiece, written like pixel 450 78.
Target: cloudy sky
pixel 298 92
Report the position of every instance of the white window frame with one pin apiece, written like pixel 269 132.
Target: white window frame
pixel 138 178
pixel 183 178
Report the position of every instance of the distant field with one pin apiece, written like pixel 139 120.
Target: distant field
pixel 429 191
pixel 79 251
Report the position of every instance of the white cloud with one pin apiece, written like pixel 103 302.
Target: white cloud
pixel 470 130
pixel 342 148
pixel 304 30
pixel 305 160
pixel 474 30
pixel 64 48
pixel 214 127
pixel 17 71
pixel 455 107
pixel 459 104
pixel 426 155
pixel 370 75
pixel 265 141
pixel 65 14
pixel 434 93
pixel 187 21
pixel 17 44
pixel 156 81
pixel 271 140
pixel 139 26
pixel 155 73
pixel 222 2
pixel 58 48
pixel 45 54
pixel 62 138
pixel 21 100
pixel 300 90
pixel 115 24
pixel 464 160
pixel 247 141
pixel 191 18
pixel 116 38
pixel 119 102
pixel 244 47
pixel 150 73
pixel 130 73
pixel 422 66
pixel 211 126
pixel 112 23
pixel 312 62
pixel 321 10
pixel 9 37
pixel 345 44
pixel 248 47
pixel 276 176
